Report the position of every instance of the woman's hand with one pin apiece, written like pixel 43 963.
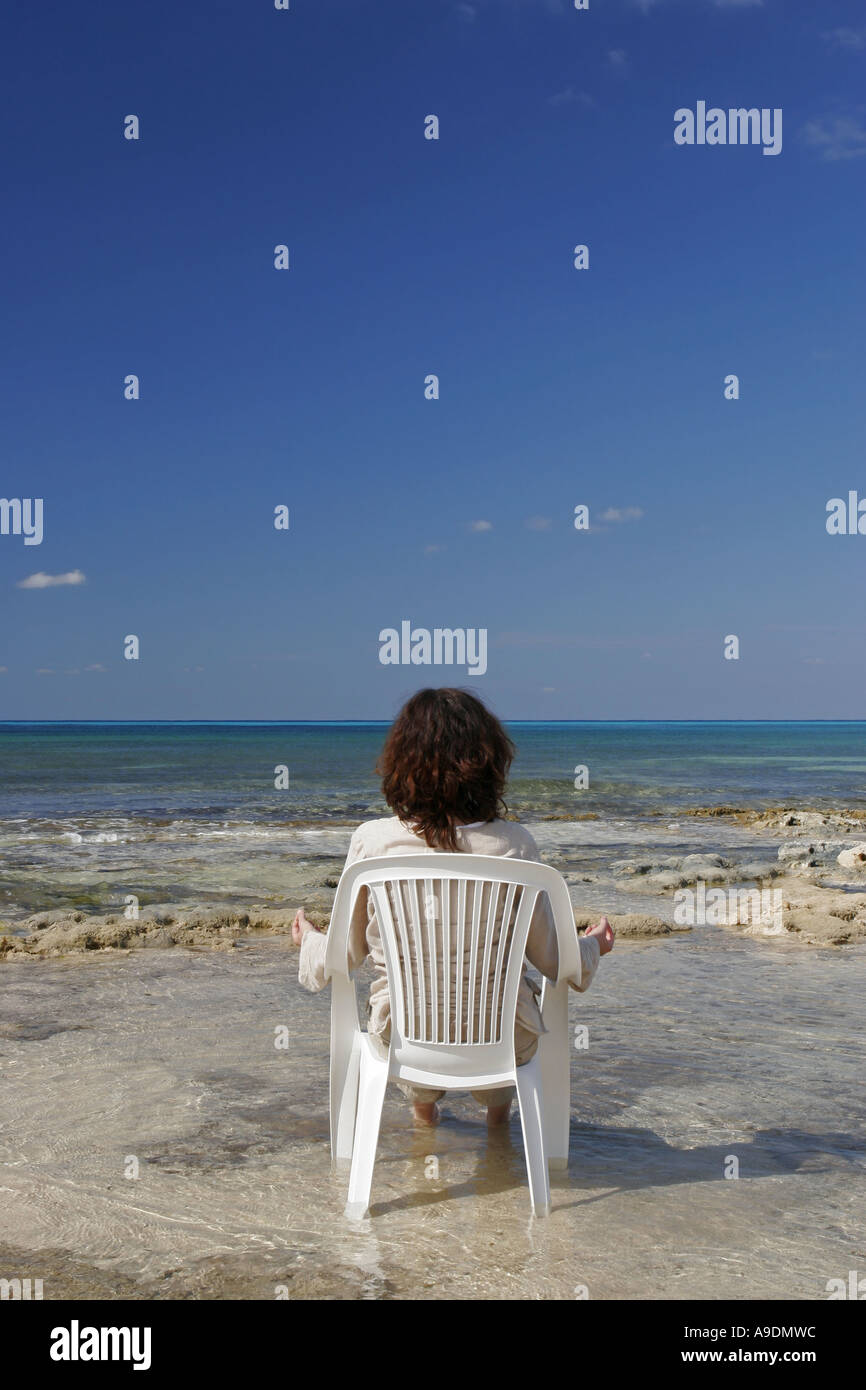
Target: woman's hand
pixel 301 926
pixel 604 932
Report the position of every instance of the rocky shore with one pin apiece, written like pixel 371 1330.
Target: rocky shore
pixel 47 935
pixel 811 861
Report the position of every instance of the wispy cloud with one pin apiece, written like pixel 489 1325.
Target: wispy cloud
pixel 481 526
pixel 433 549
pixel 570 97
pixel 532 640
pixel 468 11
pixel 617 59
pixel 97 666
pixel 621 514
pixel 852 40
pixel 836 137
pixel 646 6
pixel 538 523
pixel 40 580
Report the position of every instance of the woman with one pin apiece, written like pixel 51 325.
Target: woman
pixel 444 768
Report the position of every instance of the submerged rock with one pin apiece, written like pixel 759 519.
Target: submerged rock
pixel 629 925
pixel 853 858
pixel 47 934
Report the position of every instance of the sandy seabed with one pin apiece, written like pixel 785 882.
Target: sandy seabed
pixel 704 1048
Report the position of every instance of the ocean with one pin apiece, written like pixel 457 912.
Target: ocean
pixel 174 812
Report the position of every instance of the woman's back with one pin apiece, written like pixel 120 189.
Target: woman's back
pixel 498 838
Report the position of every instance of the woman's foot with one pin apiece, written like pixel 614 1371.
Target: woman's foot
pixel 426 1114
pixel 498 1114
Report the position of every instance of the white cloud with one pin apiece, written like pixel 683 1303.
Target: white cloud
pixel 538 523
pixel 40 580
pixel 569 97
pixel 97 666
pixel 46 671
pixel 854 40
pixel 836 137
pixel 433 549
pixel 645 6
pixel 481 526
pixel 617 59
pixel 469 11
pixel 622 514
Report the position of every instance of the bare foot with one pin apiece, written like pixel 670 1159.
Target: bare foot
pixel 498 1114
pixel 426 1114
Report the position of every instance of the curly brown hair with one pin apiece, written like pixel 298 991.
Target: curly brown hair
pixel 445 764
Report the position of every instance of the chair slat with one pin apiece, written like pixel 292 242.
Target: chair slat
pixel 406 952
pixel 445 899
pixel 477 895
pixel 419 961
pixel 385 918
pixel 502 954
pixel 489 932
pixel 458 960
pixel 432 956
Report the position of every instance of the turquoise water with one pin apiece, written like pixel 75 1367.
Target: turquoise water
pixel 180 812
pixel 153 771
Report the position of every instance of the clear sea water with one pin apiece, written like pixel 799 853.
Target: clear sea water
pixel 91 811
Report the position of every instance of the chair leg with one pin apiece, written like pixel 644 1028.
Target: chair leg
pixel 529 1096
pixel 345 1057
pixel 554 1058
pixel 371 1095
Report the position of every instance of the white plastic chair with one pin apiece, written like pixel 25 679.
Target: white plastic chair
pixel 452 1021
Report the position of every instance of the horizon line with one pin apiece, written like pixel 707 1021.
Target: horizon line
pixel 506 719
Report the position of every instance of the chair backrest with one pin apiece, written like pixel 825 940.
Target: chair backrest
pixel 453 929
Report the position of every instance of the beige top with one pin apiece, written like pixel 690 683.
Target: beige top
pixel 507 839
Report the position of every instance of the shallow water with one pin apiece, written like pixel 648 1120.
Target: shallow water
pixel 189 813
pixel 701 1048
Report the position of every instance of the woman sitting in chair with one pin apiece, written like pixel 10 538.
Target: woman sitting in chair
pixel 444 768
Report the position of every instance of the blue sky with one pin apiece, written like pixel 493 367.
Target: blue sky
pixel 408 256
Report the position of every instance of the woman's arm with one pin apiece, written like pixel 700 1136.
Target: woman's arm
pixel 595 943
pixel 542 950
pixel 314 943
